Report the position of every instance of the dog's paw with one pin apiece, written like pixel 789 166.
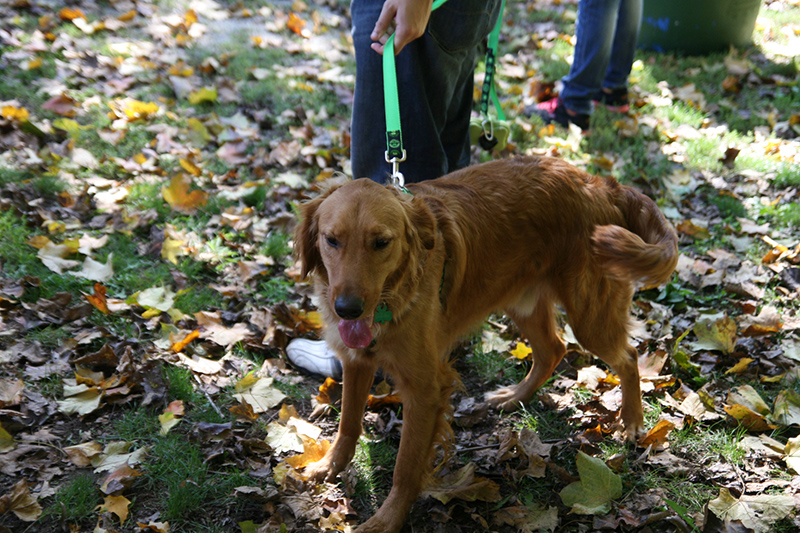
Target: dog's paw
pixel 377 524
pixel 505 399
pixel 322 470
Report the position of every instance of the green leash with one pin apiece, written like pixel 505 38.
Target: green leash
pixel 395 153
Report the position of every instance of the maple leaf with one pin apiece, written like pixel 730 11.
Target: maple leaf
pixel 597 488
pixel 260 394
pixel 117 505
pixel 296 24
pixel 754 512
pixel 98 299
pixel 120 479
pixel 179 197
pixel 312 452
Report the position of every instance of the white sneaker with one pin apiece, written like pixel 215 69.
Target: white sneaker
pixel 315 357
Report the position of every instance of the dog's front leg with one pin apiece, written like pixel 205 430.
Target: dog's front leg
pixel 421 410
pixel 358 377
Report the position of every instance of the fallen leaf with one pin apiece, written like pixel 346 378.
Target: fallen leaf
pixel 261 395
pixel 755 512
pixel 463 485
pixel 20 502
pixel 117 505
pixel 597 488
pixel 719 334
pixel 180 198
pixel 522 351
pixel 312 452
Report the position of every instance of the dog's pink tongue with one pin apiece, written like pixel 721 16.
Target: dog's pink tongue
pixel 355 333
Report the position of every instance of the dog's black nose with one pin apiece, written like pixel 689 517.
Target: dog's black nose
pixel 349 307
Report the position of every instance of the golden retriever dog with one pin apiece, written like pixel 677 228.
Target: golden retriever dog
pixel 402 275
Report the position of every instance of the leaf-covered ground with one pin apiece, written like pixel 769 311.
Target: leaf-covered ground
pixel 151 158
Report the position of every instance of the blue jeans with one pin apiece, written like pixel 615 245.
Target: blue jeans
pixel 605 44
pixel 435 76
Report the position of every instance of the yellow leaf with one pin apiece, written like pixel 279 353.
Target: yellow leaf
pixel 205 94
pixel 70 14
pixel 6 441
pixel 741 366
pixel 178 196
pixel 521 351
pixel 190 167
pixel 39 241
pixel 15 114
pixel 246 382
pixel 312 452
pixel 150 313
pixel 34 63
pixel 117 505
pixel 171 249
pixel 287 412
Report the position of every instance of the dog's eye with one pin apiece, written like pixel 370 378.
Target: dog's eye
pixel 380 244
pixel 333 243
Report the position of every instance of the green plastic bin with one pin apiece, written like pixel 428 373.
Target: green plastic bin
pixel 697 26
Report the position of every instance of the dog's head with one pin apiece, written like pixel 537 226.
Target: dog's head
pixel 362 241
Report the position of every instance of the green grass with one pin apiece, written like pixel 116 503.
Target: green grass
pixel 494 367
pixel 190 493
pixel 374 464
pixel 75 502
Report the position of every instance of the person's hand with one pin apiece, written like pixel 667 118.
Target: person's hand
pixel 409 18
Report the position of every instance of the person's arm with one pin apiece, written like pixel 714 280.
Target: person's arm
pixel 410 18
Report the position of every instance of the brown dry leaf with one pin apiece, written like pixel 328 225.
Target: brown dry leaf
pixel 11 391
pixel 767 322
pixel 120 479
pixel 157 527
pixel 528 519
pixel 732 84
pixel 20 502
pixel 690 228
pixel 211 328
pixel 463 485
pixel 82 454
pixel 244 411
pixel 179 196
pixel 61 105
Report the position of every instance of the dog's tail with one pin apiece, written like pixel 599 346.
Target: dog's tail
pixel 646 251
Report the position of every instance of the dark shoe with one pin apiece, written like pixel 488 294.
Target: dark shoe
pixel 554 111
pixel 614 99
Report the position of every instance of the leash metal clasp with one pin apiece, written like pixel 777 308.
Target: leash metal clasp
pixel 488 129
pixel 397 178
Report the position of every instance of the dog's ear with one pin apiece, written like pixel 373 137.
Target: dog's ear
pixel 422 222
pixel 306 235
